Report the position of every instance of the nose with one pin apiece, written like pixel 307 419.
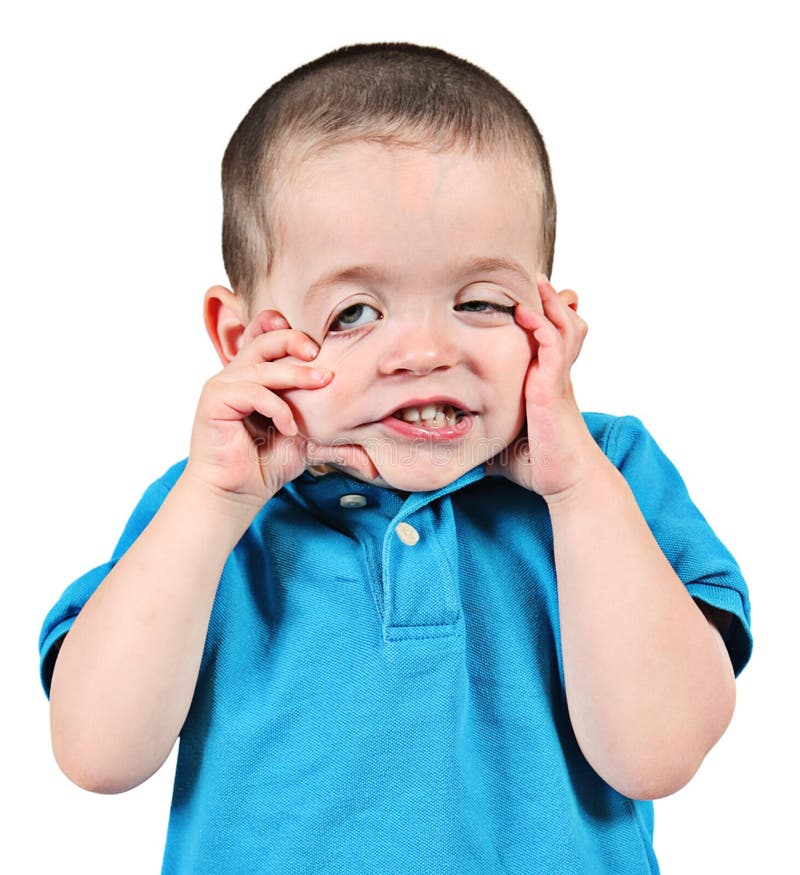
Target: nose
pixel 418 346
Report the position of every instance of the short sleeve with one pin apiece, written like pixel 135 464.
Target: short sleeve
pixel 62 615
pixel 698 557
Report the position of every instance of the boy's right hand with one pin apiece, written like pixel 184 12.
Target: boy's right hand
pixel 245 443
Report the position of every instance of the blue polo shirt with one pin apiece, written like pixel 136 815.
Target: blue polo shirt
pixel 382 687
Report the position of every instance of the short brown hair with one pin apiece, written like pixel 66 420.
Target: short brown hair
pixel 396 93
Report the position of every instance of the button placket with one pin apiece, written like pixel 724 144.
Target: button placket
pixel 420 585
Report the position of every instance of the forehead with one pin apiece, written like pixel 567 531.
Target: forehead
pixel 414 214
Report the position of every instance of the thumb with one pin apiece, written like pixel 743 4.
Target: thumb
pixel 496 466
pixel 349 456
pixel 513 462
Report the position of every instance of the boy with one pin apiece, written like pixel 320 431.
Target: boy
pixel 407 608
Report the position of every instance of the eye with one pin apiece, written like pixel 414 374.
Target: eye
pixel 484 307
pixel 354 316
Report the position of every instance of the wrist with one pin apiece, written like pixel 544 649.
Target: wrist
pixel 228 514
pixel 594 474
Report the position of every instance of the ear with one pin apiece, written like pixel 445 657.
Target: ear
pixel 224 315
pixel 570 298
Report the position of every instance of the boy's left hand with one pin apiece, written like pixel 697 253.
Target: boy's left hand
pixel 556 449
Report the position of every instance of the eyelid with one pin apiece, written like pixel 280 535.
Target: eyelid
pixel 493 293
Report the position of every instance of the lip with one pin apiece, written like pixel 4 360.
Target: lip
pixel 412 430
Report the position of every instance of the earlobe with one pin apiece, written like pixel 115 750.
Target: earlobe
pixel 223 313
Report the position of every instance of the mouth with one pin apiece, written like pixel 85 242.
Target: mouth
pixel 439 419
pixel 431 414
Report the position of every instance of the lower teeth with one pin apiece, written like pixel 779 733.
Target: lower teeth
pixel 438 421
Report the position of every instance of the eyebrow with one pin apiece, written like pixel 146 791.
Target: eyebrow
pixel 480 264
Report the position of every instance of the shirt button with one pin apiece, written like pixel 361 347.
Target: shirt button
pixel 353 500
pixel 407 533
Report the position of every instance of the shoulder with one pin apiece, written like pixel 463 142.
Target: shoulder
pixel 147 506
pixel 168 479
pixel 157 491
pixel 609 430
pixel 650 473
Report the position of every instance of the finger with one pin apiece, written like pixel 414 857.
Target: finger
pixel 570 298
pixel 277 344
pixel 555 308
pixel 543 330
pixel 266 320
pixel 494 467
pixel 510 461
pixel 284 374
pixel 349 456
pixel 549 358
pixel 232 402
pixel 561 309
pixel 356 459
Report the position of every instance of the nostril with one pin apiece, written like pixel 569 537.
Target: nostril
pixel 417 354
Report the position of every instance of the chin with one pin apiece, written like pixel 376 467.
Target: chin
pixel 406 479
pixel 417 480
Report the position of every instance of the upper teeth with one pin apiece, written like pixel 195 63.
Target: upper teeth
pixel 437 414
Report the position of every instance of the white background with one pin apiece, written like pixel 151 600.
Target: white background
pixel 672 134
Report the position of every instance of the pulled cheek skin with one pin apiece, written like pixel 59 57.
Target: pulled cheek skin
pixel 312 413
pixel 324 414
pixel 521 413
pixel 516 363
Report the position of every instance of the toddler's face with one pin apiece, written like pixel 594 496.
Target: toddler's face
pixel 405 265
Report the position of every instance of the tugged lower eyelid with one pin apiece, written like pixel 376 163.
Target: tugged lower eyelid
pixel 331 331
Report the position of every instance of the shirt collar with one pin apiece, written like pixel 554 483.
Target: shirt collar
pixel 324 491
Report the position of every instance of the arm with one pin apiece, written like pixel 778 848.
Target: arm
pixel 126 672
pixel 649 684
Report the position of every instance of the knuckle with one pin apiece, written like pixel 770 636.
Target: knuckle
pixel 266 340
pixel 211 385
pixel 269 320
pixel 302 376
pixel 302 342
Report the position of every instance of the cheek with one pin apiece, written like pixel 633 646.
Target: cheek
pixel 511 370
pixel 344 358
pixel 512 359
pixel 321 414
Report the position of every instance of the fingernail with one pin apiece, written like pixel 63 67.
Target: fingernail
pixel 310 349
pixel 542 278
pixel 321 376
